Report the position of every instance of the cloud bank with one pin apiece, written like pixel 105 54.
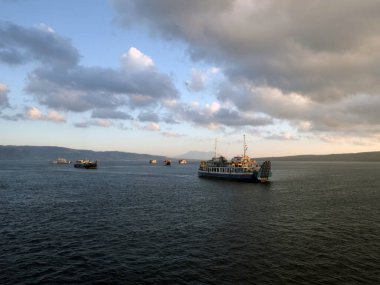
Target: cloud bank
pixel 301 61
pixel 61 83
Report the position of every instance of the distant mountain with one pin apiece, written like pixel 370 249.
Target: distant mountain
pixel 200 155
pixel 361 156
pixel 53 152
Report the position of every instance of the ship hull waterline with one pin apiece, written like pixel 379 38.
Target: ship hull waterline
pixel 241 177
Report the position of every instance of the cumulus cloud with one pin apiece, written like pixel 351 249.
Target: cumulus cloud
pixel 136 60
pixel 82 88
pixel 34 113
pixel 20 45
pixel 60 82
pixel 314 61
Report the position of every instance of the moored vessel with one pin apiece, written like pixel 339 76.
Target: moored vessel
pixel 153 161
pixel 85 163
pixel 239 168
pixel 61 160
pixel 167 162
pixel 182 161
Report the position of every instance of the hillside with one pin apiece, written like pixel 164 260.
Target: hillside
pixel 361 156
pixel 52 152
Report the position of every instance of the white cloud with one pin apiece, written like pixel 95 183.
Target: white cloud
pixel 55 116
pixel 152 127
pixel 33 113
pixel 136 60
pixel 213 107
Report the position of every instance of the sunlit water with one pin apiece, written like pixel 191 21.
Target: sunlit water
pixel 129 222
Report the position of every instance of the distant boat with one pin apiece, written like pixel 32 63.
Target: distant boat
pixel 240 168
pixel 61 161
pixel 85 163
pixel 153 161
pixel 167 162
pixel 182 161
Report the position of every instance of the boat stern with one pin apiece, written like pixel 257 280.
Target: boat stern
pixel 265 172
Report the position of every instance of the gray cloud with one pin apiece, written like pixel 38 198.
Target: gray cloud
pixel 19 45
pixel 85 88
pixel 148 117
pixel 324 51
pixel 61 83
pixel 222 116
pixel 110 114
pixel 197 82
pixel 4 101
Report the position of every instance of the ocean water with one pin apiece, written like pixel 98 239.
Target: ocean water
pixel 133 223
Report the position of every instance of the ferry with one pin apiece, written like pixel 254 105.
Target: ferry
pixel 240 168
pixel 85 163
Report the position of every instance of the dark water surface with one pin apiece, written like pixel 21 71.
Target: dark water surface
pixel 132 223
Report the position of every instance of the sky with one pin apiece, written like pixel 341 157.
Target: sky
pixel 166 77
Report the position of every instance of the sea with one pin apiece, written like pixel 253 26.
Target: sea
pixel 129 222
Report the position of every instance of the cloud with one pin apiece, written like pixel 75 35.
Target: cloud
pixel 4 90
pixel 213 115
pixel 136 60
pixel 58 80
pixel 148 117
pixel 104 123
pixel 172 134
pixel 197 81
pixel 19 45
pixel 152 127
pixel 314 61
pixel 282 137
pixel 33 113
pixel 82 88
pixel 110 114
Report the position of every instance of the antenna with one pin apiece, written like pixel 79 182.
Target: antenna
pixel 215 145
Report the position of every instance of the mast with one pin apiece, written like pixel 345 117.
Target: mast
pixel 244 147
pixel 215 147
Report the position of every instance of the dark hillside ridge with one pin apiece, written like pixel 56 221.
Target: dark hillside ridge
pixel 53 152
pixel 361 156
